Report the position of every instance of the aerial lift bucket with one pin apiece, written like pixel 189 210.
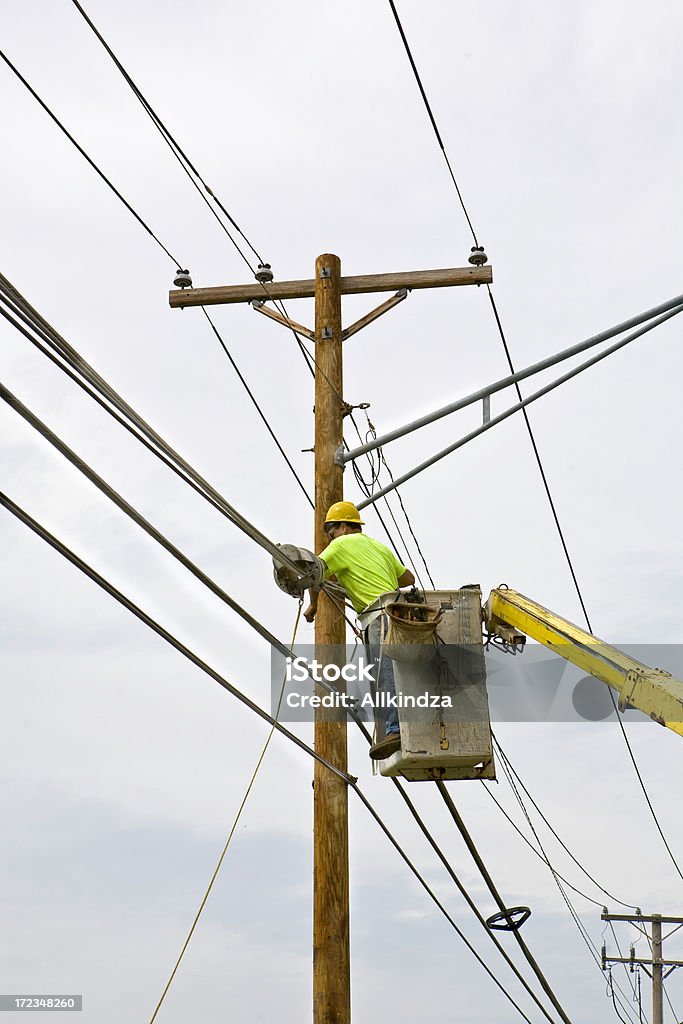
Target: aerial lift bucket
pixel 438 654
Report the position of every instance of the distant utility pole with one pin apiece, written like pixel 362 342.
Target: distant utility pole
pixel 331 952
pixel 656 962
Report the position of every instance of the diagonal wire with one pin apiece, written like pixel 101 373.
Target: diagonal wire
pixel 92 574
pixel 432 118
pixel 83 153
pixel 629 906
pixel 231 833
pixel 590 945
pixel 476 856
pixel 256 404
pixel 531 434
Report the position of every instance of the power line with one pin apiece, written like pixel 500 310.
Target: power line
pixel 133 514
pixel 629 906
pixel 432 118
pixel 127 603
pixel 590 945
pixel 255 403
pixel 15 300
pixel 144 224
pixel 523 404
pixel 180 155
pixel 533 849
pixel 92 574
pixel 478 860
pixel 89 159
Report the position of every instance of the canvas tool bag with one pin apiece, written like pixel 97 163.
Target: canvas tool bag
pixel 411 632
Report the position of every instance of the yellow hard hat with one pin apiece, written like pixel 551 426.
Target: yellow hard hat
pixel 343 512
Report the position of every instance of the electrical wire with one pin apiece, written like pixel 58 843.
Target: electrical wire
pixel 92 574
pixel 590 945
pixel 255 402
pixel 483 870
pixel 12 297
pixel 431 117
pixel 109 492
pixel 180 155
pixel 144 224
pixel 533 849
pixel 381 461
pixel 127 603
pixel 534 445
pixel 89 159
pixel 610 896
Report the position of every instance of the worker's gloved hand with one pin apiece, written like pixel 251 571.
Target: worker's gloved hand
pixel 309 614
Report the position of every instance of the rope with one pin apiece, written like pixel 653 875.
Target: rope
pixel 230 833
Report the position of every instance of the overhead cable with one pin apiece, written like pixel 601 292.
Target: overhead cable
pixel 483 870
pixel 175 148
pixel 606 892
pixel 590 945
pixel 109 588
pixel 544 479
pixel 127 603
pixel 256 404
pixel 83 368
pixel 156 535
pixel 432 118
pixel 83 153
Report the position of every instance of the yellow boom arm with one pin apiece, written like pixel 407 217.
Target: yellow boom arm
pixel 651 690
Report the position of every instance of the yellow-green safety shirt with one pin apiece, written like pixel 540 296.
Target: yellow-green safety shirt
pixel 364 567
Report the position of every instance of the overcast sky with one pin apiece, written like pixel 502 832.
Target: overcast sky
pixel 123 765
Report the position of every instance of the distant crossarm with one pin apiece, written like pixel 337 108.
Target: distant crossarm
pixel 653 691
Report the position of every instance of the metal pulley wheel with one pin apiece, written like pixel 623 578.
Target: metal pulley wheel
pixel 311 570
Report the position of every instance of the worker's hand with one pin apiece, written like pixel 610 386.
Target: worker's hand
pixel 309 614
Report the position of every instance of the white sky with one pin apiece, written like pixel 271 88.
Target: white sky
pixel 122 766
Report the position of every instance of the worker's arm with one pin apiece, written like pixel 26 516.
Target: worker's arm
pixel 407 579
pixel 309 614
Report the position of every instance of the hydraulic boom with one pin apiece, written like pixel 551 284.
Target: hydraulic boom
pixel 653 691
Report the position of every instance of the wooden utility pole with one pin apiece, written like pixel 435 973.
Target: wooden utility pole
pixel 656 964
pixel 331 956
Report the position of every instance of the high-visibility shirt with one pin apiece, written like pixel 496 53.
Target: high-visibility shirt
pixel 364 567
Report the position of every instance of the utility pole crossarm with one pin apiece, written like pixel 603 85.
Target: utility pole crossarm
pixel 657 961
pixel 448 278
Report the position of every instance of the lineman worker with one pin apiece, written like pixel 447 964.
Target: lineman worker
pixel 371 575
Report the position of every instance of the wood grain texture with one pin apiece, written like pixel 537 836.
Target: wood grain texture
pixel 331 952
pixel 448 278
